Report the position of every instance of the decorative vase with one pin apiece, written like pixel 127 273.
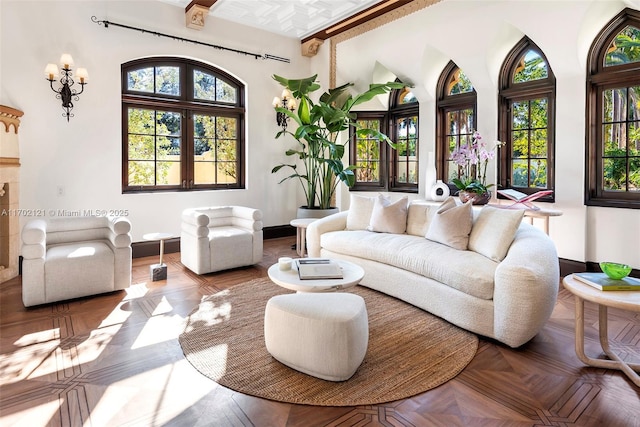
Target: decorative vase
pixel 439 191
pixel 476 198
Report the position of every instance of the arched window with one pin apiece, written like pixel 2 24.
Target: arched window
pixel 182 126
pixel 403 119
pixel 456 118
pixel 526 121
pixel 613 114
pixel 379 166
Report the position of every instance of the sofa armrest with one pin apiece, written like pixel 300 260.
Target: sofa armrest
pixel 526 286
pixel 34 239
pixel 335 222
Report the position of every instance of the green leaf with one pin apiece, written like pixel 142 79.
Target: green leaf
pixel 300 87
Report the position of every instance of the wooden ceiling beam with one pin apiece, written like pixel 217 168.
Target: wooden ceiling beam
pixel 361 17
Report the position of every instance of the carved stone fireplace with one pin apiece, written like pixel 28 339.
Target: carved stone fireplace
pixel 9 192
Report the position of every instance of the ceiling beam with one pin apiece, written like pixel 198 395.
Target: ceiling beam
pixel 205 3
pixel 361 17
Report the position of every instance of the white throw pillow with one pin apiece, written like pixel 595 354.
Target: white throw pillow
pixel 359 214
pixel 494 231
pixel 451 224
pixel 388 217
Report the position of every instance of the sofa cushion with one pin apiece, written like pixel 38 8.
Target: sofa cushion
pixel 451 224
pixel 388 217
pixel 466 271
pixel 494 231
pixel 418 216
pixel 360 209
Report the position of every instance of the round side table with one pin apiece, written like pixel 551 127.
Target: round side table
pixel 158 271
pixel 301 233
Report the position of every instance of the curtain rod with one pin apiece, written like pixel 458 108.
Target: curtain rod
pixel 155 33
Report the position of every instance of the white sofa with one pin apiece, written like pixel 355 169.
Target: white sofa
pixel 72 257
pixel 220 237
pixel 507 299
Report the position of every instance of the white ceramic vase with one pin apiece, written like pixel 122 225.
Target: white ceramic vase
pixel 439 191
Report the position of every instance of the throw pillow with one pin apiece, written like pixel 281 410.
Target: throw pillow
pixel 494 231
pixel 388 217
pixel 359 214
pixel 451 224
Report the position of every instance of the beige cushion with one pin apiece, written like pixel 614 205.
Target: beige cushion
pixel 494 231
pixel 388 217
pixel 451 224
pixel 418 216
pixel 360 209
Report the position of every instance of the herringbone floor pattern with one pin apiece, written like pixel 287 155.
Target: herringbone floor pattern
pixel 114 360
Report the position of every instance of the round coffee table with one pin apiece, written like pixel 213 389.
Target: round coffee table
pixel 352 275
pixel 625 300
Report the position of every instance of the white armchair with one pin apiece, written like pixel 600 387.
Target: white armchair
pixel 219 238
pixel 72 257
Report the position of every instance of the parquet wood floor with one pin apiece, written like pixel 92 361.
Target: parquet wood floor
pixel 114 360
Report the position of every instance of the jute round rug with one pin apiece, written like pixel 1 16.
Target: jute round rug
pixel 410 351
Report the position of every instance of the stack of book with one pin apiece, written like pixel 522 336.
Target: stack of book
pixel 318 268
pixel 604 283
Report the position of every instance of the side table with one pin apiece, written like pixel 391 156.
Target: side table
pixel 626 300
pixel 158 271
pixel 301 233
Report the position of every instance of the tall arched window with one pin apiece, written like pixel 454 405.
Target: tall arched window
pixel 182 126
pixel 526 121
pixel 403 119
pixel 613 114
pixel 379 166
pixel 456 118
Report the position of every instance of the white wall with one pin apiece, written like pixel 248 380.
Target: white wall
pixel 477 35
pixel 83 156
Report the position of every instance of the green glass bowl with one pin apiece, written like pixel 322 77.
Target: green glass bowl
pixel 615 270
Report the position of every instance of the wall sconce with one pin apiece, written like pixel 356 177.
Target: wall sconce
pixel 65 92
pixel 287 102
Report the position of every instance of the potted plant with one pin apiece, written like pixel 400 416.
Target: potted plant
pixel 472 160
pixel 319 124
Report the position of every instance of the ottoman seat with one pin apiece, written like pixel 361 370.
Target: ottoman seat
pixel 324 335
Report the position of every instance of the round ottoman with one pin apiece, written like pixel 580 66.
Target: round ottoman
pixel 320 334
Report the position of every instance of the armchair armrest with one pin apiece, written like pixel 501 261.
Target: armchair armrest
pixel 34 239
pixel 335 222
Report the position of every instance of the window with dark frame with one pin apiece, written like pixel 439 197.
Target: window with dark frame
pixel 379 166
pixel 526 121
pixel 613 114
pixel 455 120
pixel 182 127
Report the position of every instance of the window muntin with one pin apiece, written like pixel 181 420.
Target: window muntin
pixel 182 126
pixel 621 139
pixel 526 121
pixel 458 83
pixel 529 143
pixel 406 154
pixel 460 125
pixel 613 115
pixel 367 152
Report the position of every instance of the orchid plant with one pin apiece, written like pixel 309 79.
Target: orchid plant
pixel 472 160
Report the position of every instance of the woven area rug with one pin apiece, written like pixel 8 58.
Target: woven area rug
pixel 410 351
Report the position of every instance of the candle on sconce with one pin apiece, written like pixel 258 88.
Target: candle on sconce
pixel 83 75
pixel 51 71
pixel 286 94
pixel 276 102
pixel 66 61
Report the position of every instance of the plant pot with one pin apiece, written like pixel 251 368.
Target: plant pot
pixel 476 198
pixel 304 212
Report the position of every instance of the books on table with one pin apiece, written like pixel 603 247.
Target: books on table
pixel 519 197
pixel 318 268
pixel 604 283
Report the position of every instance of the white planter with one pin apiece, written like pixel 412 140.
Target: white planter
pixel 303 212
pixel 439 191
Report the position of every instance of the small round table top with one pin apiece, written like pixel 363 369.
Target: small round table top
pixel 302 222
pixel 157 236
pixel 352 275
pixel 626 300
